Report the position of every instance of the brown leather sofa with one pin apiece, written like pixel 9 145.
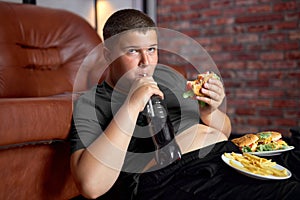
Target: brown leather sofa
pixel 42 50
pixel 44 63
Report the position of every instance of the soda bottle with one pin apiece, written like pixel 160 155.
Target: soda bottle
pixel 162 132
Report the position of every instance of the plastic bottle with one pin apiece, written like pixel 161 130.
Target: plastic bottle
pixel 162 131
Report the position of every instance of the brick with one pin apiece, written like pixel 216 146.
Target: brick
pixel 255 65
pixel 293 75
pixel 211 13
pixel 286 25
pixel 260 9
pixel 285 122
pixel 232 84
pixel 292 114
pixel 204 41
pixel 245 111
pixel 180 8
pixel 293 55
pixel 271 93
pixel 246 93
pixel 294 93
pixel 283 6
pixel 239 102
pixel 260 103
pixel 294 35
pixel 233 65
pixel 279 64
pixel 274 36
pixel 285 46
pixel 246 75
pixel 244 128
pixel 259 18
pixel 246 38
pixel 189 16
pixel 270 75
pixel 182 25
pixel 270 113
pixel 258 84
pixel 167 2
pixel 166 18
pixel 271 56
pixel 200 5
pixel 224 21
pixel 234 11
pixel 202 22
pixel 221 4
pixel 245 2
pixel 221 57
pixel 259 121
pixel 162 10
pixel 226 74
pixel 292 16
pixel 223 40
pixel 285 104
pixel 255 47
pixel 233 47
pixel 214 48
pixel 260 28
pixel 211 32
pixel 246 56
pixel 191 32
pixel 239 28
pixel 286 83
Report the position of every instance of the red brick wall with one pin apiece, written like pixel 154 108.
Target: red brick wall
pixel 256 46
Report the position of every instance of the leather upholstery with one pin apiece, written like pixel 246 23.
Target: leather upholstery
pixel 42 50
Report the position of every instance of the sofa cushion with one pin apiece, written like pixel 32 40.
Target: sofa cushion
pixel 41 49
pixel 37 172
pixel 26 120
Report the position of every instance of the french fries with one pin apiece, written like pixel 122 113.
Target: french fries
pixel 255 164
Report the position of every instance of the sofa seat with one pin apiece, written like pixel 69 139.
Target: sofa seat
pixel 29 120
pixel 42 53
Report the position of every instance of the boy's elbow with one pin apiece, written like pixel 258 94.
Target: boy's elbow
pixel 228 129
pixel 92 191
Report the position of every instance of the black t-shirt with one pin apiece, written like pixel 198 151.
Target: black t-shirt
pixel 94 110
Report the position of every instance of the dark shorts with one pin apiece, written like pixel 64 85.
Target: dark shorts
pixel 203 175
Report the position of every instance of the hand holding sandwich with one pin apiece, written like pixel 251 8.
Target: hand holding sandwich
pixel 207 89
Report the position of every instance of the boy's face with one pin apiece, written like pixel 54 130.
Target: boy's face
pixel 135 55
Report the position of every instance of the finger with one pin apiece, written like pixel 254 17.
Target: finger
pixel 211 94
pixel 215 82
pixel 216 88
pixel 206 100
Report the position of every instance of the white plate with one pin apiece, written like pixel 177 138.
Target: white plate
pixel 272 153
pixel 257 176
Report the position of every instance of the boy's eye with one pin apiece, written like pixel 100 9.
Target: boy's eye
pixel 132 50
pixel 152 49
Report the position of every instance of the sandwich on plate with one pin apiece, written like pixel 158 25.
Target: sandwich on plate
pixel 262 141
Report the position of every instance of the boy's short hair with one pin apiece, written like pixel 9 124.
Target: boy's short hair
pixel 126 19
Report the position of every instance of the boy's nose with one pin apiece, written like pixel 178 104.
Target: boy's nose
pixel 144 59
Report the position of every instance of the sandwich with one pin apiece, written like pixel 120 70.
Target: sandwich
pixel 195 86
pixel 246 143
pixel 262 141
pixel 270 140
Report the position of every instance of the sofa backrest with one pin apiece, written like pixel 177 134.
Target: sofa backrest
pixel 41 49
